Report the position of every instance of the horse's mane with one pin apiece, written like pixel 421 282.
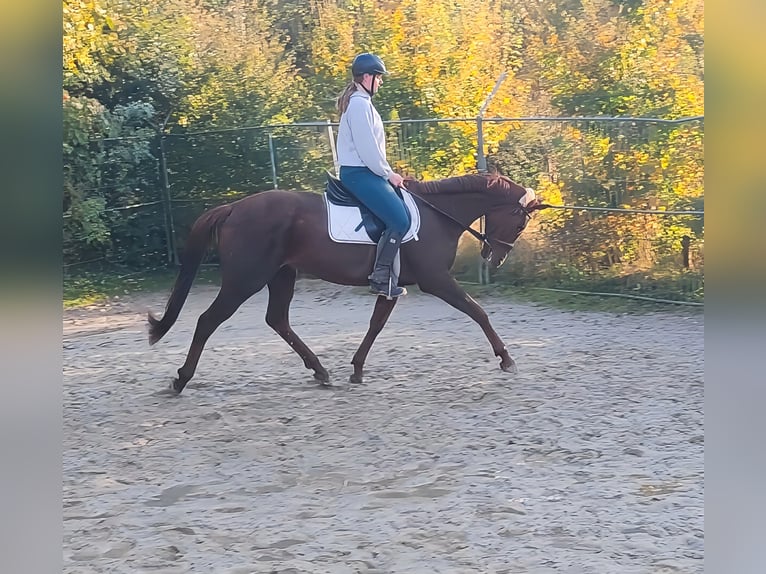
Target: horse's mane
pixel 471 183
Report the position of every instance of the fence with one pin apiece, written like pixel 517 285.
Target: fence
pixel 148 189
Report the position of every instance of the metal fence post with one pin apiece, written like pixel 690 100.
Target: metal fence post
pixel 483 264
pixel 273 161
pixel 481 160
pixel 170 231
pixel 481 163
pixel 332 148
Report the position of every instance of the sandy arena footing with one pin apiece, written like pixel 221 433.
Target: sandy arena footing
pixel 589 460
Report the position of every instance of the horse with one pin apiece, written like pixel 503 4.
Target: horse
pixel 265 239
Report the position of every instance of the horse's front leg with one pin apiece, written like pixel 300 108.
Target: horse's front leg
pixel 281 290
pixel 448 290
pixel 380 315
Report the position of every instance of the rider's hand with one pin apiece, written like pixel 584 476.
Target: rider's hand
pixel 395 179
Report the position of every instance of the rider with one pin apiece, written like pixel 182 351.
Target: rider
pixel 366 173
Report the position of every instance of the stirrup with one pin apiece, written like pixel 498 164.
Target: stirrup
pixel 387 291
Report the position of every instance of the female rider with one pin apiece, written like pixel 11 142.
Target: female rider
pixel 365 171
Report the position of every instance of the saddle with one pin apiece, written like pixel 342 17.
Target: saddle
pixel 338 194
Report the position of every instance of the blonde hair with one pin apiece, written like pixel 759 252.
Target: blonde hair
pixel 345 95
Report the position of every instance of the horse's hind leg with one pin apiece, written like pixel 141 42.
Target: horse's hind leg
pixel 281 289
pixel 226 303
pixel 380 315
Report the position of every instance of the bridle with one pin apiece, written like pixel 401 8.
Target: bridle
pixel 483 237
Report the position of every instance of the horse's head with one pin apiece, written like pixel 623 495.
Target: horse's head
pixel 506 222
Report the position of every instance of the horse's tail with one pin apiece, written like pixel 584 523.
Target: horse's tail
pixel 203 231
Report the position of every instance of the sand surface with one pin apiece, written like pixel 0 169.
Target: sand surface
pixel 589 460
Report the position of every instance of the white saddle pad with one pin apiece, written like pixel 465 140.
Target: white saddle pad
pixel 343 220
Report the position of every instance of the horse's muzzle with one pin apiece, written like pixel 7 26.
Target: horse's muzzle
pixel 488 254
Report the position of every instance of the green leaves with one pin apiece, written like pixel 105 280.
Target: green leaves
pixel 133 67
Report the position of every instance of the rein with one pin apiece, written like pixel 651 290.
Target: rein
pixel 485 240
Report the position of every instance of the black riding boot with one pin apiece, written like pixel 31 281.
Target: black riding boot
pixel 384 278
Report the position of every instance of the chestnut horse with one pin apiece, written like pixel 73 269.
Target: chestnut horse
pixel 264 239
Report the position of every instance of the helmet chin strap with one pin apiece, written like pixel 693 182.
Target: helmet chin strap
pixel 372 84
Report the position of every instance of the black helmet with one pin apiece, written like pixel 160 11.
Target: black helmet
pixel 368 64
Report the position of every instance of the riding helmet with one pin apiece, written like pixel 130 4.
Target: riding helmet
pixel 368 64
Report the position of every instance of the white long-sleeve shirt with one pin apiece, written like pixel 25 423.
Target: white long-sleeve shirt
pixel 361 139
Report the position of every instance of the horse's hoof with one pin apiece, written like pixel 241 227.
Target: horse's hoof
pixel 322 376
pixel 355 379
pixel 169 391
pixel 509 367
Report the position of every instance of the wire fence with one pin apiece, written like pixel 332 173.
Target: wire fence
pixel 621 226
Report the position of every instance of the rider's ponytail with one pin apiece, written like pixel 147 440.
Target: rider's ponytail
pixel 345 96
